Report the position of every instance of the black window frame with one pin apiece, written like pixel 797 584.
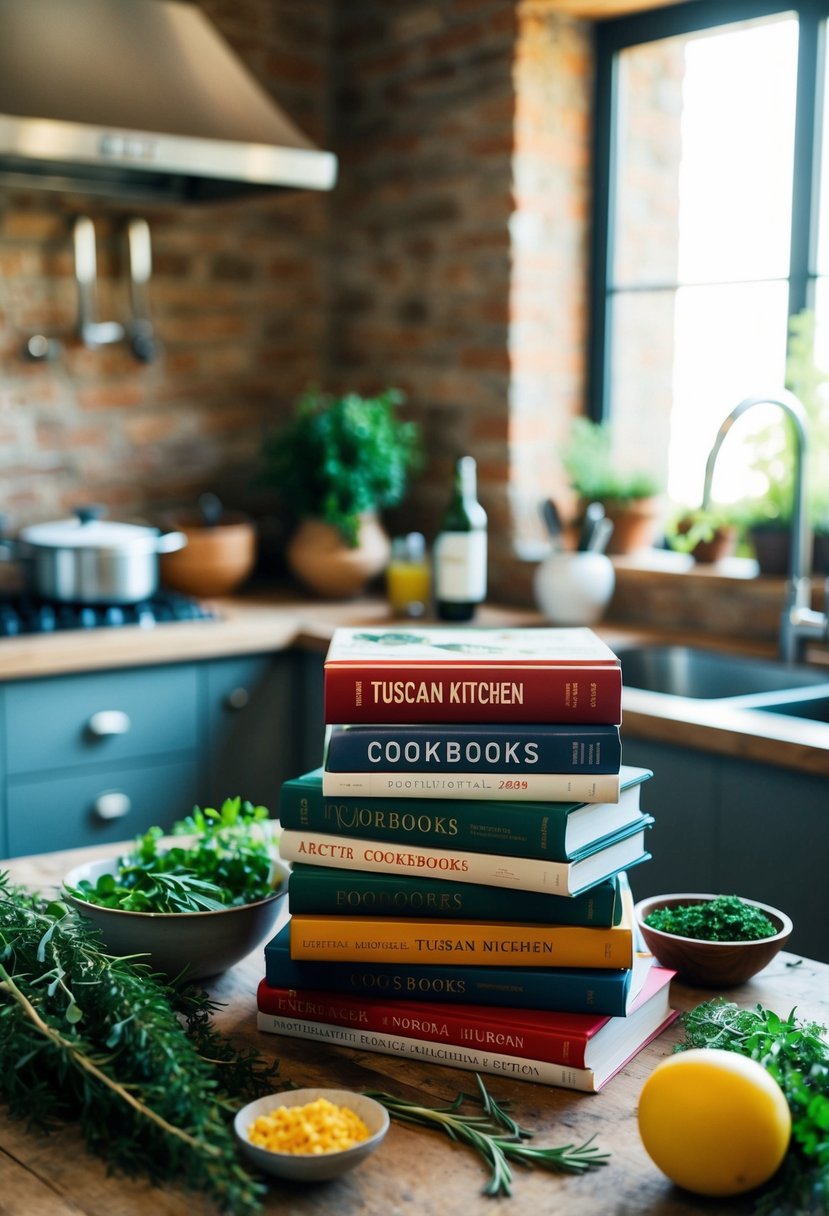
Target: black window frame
pixel 615 35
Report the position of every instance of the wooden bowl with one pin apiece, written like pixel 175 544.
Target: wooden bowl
pixel 711 964
pixel 215 561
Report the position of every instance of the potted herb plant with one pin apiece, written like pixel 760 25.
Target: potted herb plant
pixel 708 534
pixel 629 497
pixel 338 462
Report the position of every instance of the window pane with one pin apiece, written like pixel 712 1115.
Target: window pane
pixel 701 247
pixel 681 362
pixel 823 212
pixel 705 155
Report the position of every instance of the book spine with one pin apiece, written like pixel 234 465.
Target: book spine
pixel 524 873
pixel 434 1052
pixel 435 749
pixel 320 890
pixel 488 692
pixel 523 829
pixel 575 990
pixel 442 1023
pixel 450 943
pixel 503 787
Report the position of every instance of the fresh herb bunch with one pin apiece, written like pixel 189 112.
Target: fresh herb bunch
pixel 796 1054
pixel 726 918
pixel 225 862
pixel 340 456
pixel 494 1135
pixel 103 1040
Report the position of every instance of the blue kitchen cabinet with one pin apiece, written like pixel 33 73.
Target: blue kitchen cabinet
pixel 735 827
pixel 252 711
pixel 101 756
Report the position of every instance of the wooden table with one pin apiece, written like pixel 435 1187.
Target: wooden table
pixel 415 1172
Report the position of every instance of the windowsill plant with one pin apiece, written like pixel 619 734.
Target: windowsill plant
pixel 629 497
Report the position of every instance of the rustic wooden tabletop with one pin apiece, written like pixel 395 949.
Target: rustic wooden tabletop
pixel 415 1172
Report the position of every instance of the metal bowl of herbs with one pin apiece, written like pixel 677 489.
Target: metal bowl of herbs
pixel 192 904
pixel 714 941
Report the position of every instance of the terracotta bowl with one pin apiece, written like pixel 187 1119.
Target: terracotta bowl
pixel 215 561
pixel 711 964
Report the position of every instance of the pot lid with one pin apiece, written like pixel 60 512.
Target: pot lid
pixel 87 531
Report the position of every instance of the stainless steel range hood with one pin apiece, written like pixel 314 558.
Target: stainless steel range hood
pixel 139 99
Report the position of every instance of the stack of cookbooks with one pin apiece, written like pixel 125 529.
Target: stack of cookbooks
pixel 458 891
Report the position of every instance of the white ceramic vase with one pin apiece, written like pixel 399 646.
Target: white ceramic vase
pixel 574 588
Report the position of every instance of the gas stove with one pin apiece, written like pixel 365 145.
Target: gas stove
pixel 24 614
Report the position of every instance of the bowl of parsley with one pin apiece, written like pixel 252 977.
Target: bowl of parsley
pixel 713 941
pixel 191 904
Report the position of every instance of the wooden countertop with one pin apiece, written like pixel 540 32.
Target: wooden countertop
pixel 273 620
pixel 414 1171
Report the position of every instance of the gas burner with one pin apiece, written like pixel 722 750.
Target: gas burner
pixel 22 614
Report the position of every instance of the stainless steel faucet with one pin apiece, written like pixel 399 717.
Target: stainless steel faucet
pixel 799 621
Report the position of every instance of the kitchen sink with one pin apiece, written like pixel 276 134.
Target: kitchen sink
pixel 816 709
pixel 688 671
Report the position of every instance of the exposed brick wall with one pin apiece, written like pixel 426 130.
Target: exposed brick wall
pixel 450 260
pixel 461 220
pixel 238 296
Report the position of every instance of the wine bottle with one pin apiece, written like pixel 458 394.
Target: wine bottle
pixel 460 549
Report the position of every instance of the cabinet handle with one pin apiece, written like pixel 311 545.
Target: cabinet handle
pixel 237 699
pixel 109 722
pixel 112 804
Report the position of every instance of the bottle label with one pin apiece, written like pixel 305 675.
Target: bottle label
pixel 460 567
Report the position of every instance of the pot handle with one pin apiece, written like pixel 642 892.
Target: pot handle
pixel 169 542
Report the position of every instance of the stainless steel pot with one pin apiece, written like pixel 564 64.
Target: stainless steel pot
pixel 89 560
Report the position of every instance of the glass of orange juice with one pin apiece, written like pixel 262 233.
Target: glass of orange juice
pixel 408 576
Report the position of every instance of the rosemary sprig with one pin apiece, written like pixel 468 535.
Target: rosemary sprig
pixel 494 1135
pixel 104 1040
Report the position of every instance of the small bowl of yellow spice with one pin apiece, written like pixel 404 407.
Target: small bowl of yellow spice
pixel 310 1135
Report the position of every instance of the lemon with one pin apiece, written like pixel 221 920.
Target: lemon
pixel 715 1122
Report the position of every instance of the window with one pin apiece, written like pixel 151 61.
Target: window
pixel 709 234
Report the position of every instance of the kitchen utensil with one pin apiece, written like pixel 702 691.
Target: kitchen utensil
pixel 311 1167
pixel 140 333
pixel 594 512
pixel 93 333
pixel 552 522
pixel 90 560
pixel 211 509
pixel 600 536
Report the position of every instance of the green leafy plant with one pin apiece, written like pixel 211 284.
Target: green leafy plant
pixel 693 526
pixel 341 456
pixel 225 861
pixel 103 1041
pixel 494 1135
pixel 726 918
pixel 590 464
pixel 796 1054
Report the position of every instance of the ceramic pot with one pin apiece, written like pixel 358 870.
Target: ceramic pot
pixel 319 557
pixel 217 558
pixel 574 588
pixel 635 525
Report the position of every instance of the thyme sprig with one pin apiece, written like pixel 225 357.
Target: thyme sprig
pixel 85 1035
pixel 494 1135
pixel 796 1054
